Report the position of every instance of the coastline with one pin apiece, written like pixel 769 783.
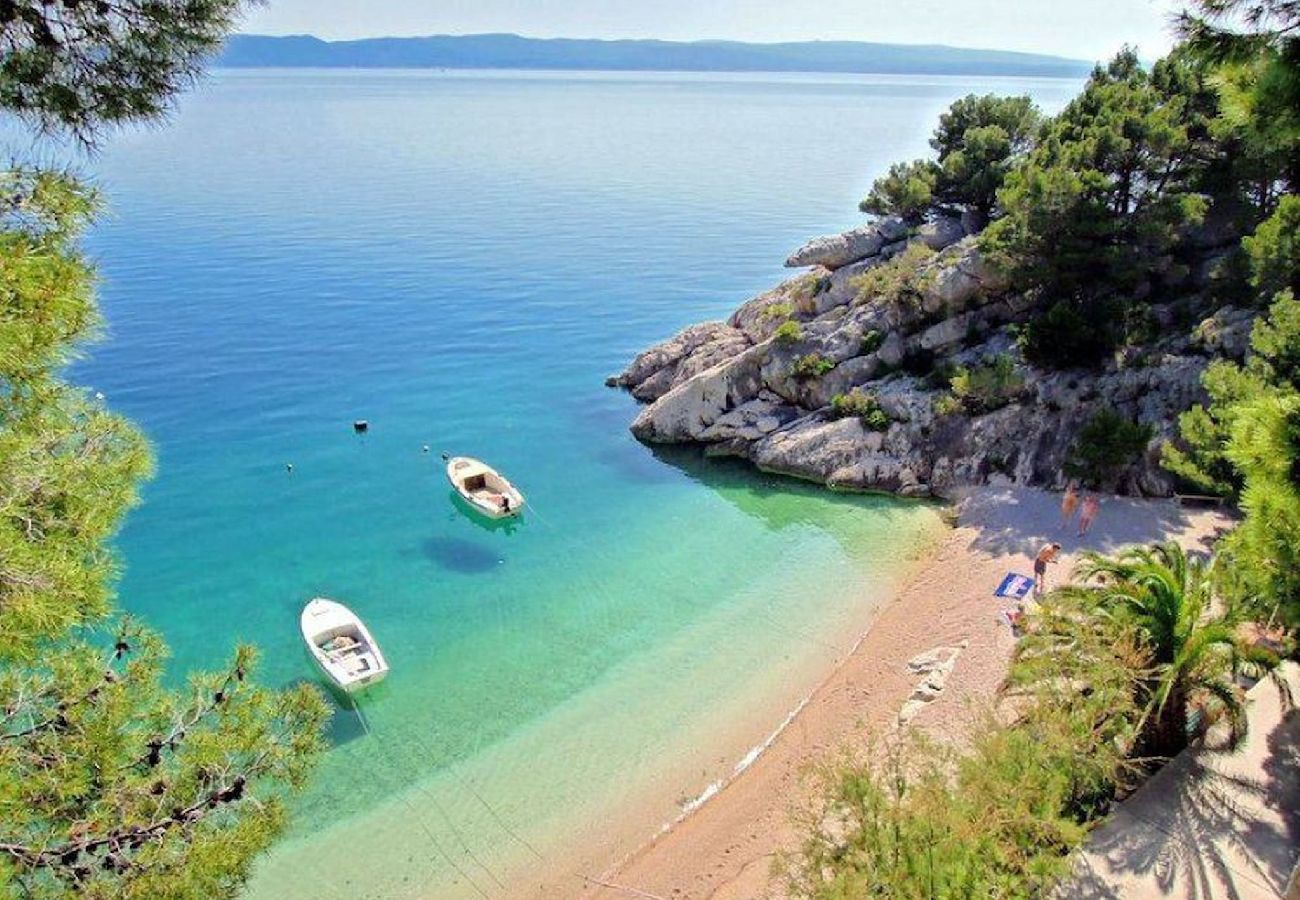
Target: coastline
pixel 724 848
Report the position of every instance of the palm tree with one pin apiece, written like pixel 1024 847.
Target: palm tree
pixel 1167 597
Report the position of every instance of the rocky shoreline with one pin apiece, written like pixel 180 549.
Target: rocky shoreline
pixel 770 383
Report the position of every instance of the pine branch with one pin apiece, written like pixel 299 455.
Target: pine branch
pixel 230 686
pixel 59 719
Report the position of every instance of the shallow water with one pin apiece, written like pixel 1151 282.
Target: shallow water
pixel 460 259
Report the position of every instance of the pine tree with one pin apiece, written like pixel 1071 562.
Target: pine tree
pixel 111 784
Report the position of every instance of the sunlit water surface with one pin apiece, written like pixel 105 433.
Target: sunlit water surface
pixel 461 259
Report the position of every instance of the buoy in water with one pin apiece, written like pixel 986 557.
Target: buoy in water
pixel 425 449
pixel 360 426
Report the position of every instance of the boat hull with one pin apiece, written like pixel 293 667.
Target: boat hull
pixel 492 486
pixel 360 663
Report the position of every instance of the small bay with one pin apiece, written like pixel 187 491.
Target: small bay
pixel 461 259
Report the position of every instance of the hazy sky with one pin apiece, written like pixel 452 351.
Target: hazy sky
pixel 1082 28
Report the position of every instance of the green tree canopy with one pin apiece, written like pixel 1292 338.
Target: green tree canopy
pixel 1254 49
pixel 111 784
pixel 907 191
pixel 1166 596
pixel 977 141
pixel 1274 250
pixel 1247 442
pixel 1109 188
pixel 79 65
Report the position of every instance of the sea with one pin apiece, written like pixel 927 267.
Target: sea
pixel 460 259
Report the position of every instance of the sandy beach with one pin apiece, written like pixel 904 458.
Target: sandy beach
pixel 725 849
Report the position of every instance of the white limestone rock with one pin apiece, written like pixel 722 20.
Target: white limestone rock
pixel 942 233
pixel 837 250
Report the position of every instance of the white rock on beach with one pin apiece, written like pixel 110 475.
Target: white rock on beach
pixel 930 660
pixel 909 711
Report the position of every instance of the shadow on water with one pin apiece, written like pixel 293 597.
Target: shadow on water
pixel 506 526
pixel 635 464
pixel 764 496
pixel 460 555
pixel 347 722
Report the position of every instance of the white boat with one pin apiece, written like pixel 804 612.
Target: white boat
pixel 341 645
pixel 484 488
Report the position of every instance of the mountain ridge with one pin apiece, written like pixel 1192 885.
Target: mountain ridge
pixel 512 51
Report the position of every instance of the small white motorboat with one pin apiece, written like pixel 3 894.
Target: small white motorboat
pixel 484 488
pixel 341 645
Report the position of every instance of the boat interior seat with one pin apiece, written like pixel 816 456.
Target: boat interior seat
pixel 357 662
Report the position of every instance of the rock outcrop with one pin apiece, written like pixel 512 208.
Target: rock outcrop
pixel 761 389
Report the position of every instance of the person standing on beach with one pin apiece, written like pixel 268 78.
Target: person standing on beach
pixel 1091 506
pixel 1069 503
pixel 1049 554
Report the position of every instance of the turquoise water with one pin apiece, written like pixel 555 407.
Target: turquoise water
pixel 461 259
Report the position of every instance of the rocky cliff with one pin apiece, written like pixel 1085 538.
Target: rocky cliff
pixel 786 380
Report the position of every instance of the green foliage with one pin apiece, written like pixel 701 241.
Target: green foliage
pixel 918 819
pixel 1274 250
pixel 1264 550
pixel 112 786
pixel 68 468
pixel 1201 458
pixel 1105 447
pixel 1070 335
pixel 46 286
pixel 805 291
pixel 946 404
pixel 68 473
pixel 1167 597
pixel 1275 344
pixel 811 285
pixel 907 192
pixel 989 386
pixel 788 332
pixel 811 366
pixel 912 831
pixel 1253 49
pixel 1109 188
pixel 871 341
pixel 901 281
pixel 777 311
pixel 82 67
pixel 977 142
pixel 1247 441
pixel 863 405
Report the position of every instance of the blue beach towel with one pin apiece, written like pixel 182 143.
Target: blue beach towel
pixel 1014 586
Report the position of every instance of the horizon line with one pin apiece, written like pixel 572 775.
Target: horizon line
pixel 653 40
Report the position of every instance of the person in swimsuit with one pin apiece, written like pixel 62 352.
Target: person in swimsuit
pixel 1069 503
pixel 1091 506
pixel 1049 554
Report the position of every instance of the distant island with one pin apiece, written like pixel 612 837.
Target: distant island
pixel 511 51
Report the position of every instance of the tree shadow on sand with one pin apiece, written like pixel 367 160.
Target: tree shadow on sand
pixel 1211 824
pixel 1017 520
